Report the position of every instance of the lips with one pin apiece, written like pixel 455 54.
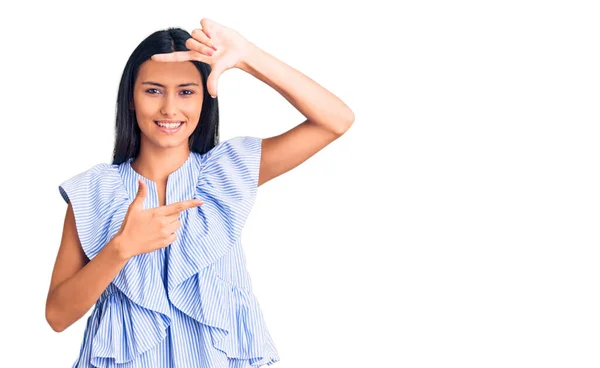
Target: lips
pixel 168 122
pixel 166 129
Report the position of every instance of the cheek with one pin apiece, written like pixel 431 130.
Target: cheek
pixel 191 105
pixel 191 110
pixel 147 106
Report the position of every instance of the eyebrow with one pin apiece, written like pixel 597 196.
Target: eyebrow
pixel 181 85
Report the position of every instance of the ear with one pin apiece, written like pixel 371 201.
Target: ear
pixel 131 105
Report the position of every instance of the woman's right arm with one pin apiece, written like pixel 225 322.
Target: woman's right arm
pixel 77 282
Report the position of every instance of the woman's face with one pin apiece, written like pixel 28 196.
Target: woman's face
pixel 167 91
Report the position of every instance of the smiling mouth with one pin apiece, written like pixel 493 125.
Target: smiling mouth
pixel 168 125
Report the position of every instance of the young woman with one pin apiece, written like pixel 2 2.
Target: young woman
pixel 152 241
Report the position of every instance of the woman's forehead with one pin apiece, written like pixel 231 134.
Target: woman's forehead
pixel 169 73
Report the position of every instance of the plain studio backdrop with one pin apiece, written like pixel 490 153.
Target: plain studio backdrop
pixel 456 224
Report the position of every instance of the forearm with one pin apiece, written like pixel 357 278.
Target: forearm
pixel 313 101
pixel 74 297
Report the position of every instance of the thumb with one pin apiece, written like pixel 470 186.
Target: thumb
pixel 138 201
pixel 211 82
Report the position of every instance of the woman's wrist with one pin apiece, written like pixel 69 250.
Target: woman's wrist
pixel 117 249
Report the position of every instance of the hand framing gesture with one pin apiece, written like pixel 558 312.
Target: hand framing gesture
pixel 214 44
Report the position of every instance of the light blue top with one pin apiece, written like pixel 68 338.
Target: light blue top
pixel 190 304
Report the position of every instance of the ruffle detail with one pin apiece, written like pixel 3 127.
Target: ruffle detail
pixel 97 198
pixel 227 183
pixel 136 312
pixel 125 331
pixel 247 335
pixel 135 316
pixel 233 314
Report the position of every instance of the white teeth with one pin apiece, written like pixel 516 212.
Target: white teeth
pixel 169 125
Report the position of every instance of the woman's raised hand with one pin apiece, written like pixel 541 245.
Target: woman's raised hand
pixel 144 231
pixel 214 44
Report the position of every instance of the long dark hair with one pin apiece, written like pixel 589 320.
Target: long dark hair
pixel 127 131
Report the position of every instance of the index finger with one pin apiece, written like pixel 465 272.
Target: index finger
pixel 175 56
pixel 177 207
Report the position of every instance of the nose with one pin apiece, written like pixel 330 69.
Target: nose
pixel 169 106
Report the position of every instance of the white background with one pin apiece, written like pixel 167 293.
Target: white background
pixel 456 224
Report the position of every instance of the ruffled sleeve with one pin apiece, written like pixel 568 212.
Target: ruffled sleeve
pixel 227 183
pixel 134 308
pixel 229 174
pixel 95 197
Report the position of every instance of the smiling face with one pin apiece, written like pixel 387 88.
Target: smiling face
pixel 165 93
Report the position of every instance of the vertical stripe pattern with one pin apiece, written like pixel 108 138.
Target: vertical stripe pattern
pixel 191 303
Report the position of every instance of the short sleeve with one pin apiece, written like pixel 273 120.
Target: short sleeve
pixel 234 166
pixel 228 181
pixel 94 194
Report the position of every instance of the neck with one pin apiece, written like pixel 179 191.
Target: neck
pixel 158 164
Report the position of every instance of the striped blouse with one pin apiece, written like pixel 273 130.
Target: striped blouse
pixel 191 303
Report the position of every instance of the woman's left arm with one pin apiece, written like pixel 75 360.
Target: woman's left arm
pixel 317 104
pixel 327 117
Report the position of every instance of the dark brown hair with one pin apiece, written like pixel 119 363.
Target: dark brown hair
pixel 127 131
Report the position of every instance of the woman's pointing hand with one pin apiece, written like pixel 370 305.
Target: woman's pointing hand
pixel 146 230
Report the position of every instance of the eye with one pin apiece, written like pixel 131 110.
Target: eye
pixel 185 90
